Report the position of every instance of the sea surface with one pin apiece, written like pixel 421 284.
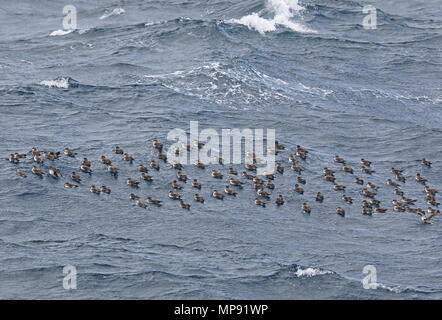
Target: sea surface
pixel 134 70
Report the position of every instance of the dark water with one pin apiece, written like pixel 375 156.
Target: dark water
pixel 318 77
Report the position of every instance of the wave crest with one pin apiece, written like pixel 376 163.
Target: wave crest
pixel 283 13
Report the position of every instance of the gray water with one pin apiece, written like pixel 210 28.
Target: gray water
pixel 323 82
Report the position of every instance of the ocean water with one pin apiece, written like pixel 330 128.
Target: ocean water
pixel 134 70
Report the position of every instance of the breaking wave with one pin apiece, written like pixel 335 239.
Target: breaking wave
pixel 283 12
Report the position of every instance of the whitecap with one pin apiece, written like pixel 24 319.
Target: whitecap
pixel 62 83
pixel 310 272
pixel 283 13
pixel 61 32
pixel 115 12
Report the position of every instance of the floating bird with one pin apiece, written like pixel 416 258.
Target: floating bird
pixel 86 162
pixel 365 162
pixel 52 155
pixel 54 172
pixel 113 170
pixel 94 189
pixel 133 196
pixel 339 187
pixel 181 176
pixel 153 201
pixel 301 180
pixel 279 200
pixel 13 159
pixel 75 177
pixel 262 193
pixel 425 162
pixel 146 177
pixel 21 173
pixel 298 189
pixel 140 204
pixel 184 205
pixel 250 167
pixel 230 191
pixel 174 195
pixel 340 211
pixel 35 152
pixel 233 171
pixel 347 199
pixel 105 161
pixel 118 150
pixel 177 165
pixel 292 159
pixel 196 184
pixel 367 170
pixel 338 159
pixel 296 168
pixel 200 165
pixel 132 182
pixel 368 193
pixel 86 169
pixel 359 181
pixel 259 202
pixel 154 165
pixel 396 171
pixel 198 198
pixel 248 176
pixel 235 182
pixel 279 168
pixel 372 186
pixel 347 169
pixel 270 185
pixel 420 178
pixel 176 185
pixel 37 171
pixel 70 185
pixel 216 174
pixel 105 189
pixel 127 157
pixel 217 195
pixel 392 183
pixel 306 208
pixel 38 159
pixel 70 153
pixel 162 156
pixel 279 146
pixel 319 197
pixel 426 219
pixel 257 180
pixel 328 172
pixel 157 144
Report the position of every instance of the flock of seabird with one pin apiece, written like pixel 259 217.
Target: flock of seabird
pixel 263 186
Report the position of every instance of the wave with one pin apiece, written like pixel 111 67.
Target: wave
pixel 311 272
pixel 115 12
pixel 62 83
pixel 61 32
pixel 283 12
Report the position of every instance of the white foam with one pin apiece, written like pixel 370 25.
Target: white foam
pixel 57 83
pixel 115 12
pixel 61 32
pixel 283 13
pixel 310 272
